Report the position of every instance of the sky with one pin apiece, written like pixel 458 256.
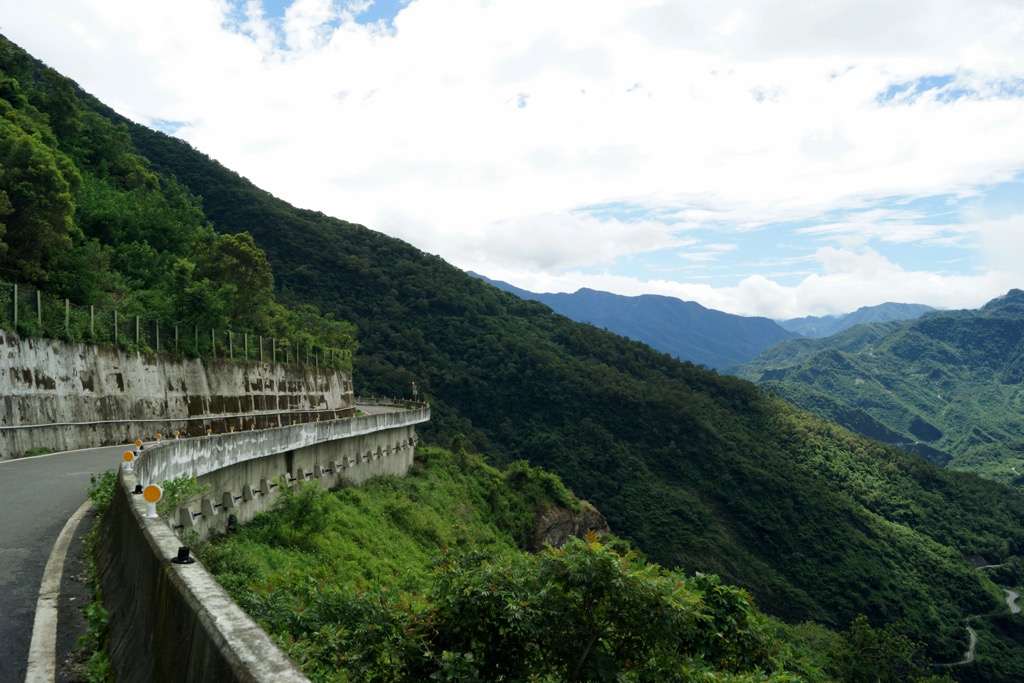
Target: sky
pixel 761 157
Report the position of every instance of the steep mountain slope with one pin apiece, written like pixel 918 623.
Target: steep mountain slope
pixel 703 472
pixel 947 386
pixel 814 326
pixel 684 329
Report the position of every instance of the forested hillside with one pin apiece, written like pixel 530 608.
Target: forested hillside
pixel 947 386
pixel 83 216
pixel 703 472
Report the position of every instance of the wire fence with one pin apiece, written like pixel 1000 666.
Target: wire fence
pixel 32 313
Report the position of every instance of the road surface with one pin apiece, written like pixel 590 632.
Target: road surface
pixel 37 497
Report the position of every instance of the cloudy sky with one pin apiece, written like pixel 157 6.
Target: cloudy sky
pixel 761 157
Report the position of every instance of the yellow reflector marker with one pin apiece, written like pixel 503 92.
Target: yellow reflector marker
pixel 128 455
pixel 152 493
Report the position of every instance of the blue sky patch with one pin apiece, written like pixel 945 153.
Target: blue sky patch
pixel 911 89
pixel 166 126
pixel 379 10
pixel 382 10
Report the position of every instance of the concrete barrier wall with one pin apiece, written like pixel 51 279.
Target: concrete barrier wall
pixel 174 622
pixel 61 395
pixel 242 470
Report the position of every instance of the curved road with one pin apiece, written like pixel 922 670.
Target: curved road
pixel 37 497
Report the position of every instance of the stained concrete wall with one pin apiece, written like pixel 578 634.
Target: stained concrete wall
pixel 240 469
pixel 174 622
pixel 61 395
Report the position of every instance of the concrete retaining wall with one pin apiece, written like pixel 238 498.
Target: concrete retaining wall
pixel 173 622
pixel 241 468
pixel 61 395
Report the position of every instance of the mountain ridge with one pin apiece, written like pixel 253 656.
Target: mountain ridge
pixel 946 385
pixel 684 329
pixel 826 326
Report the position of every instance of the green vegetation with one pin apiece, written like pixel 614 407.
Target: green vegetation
pixel 177 492
pixel 947 386
pixel 390 585
pixel 83 217
pixel 95 664
pixel 702 473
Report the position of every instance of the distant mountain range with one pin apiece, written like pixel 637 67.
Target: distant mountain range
pixel 684 329
pixel 947 386
pixel 828 325
pixel 689 331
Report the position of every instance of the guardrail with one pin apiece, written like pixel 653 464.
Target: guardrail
pixel 199 457
pixel 171 620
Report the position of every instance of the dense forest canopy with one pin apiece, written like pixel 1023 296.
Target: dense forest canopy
pixel 947 386
pixel 704 473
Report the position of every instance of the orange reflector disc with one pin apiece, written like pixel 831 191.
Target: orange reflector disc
pixel 152 493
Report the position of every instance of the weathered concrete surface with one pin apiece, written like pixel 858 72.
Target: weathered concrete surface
pixel 241 468
pixel 174 622
pixel 62 396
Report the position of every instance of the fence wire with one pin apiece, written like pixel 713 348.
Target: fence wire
pixel 32 313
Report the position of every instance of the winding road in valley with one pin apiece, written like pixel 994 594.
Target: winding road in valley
pixel 1011 601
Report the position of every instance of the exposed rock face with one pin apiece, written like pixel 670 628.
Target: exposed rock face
pixel 555 526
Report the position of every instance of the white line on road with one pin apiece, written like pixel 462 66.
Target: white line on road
pixel 42 653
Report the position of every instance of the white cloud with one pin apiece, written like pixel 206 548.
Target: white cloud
pixel 483 131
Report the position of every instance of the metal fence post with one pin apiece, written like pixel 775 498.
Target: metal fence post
pixel 158 336
pixel 136 330
pixel 15 307
pixel 115 326
pixel 92 322
pixel 39 309
pixel 67 318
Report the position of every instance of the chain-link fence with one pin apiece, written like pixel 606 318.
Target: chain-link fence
pixel 33 313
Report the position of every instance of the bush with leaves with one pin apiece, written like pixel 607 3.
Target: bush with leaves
pixel 302 510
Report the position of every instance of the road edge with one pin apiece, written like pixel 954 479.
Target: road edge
pixel 42 655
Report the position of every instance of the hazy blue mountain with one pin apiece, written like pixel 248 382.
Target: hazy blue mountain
pixel 684 329
pixel 826 326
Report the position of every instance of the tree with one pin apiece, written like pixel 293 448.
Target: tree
pixel 236 260
pixel 36 199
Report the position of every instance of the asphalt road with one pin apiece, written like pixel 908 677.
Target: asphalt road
pixel 37 497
